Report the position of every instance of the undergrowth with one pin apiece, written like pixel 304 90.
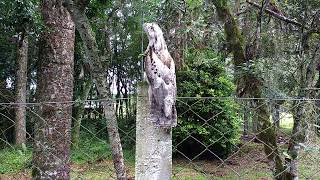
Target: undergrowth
pixel 90 150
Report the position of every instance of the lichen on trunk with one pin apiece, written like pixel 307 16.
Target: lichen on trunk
pixel 51 150
pixel 302 108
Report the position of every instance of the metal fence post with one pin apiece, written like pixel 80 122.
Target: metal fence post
pixel 153 144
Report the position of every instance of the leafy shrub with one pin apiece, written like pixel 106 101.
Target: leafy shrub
pixel 205 120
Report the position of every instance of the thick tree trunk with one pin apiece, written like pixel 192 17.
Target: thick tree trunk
pixel 51 151
pixel 99 75
pixel 250 85
pixel 21 91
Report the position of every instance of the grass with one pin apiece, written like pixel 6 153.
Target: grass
pixel 90 150
pixel 14 160
pixel 249 163
pixel 286 123
pixel 93 160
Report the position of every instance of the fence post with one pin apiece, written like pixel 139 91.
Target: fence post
pixel 153 145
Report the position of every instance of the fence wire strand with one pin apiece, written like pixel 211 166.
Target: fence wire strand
pixel 216 137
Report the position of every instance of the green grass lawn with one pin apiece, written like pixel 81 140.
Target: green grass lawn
pixel 93 160
pixel 247 164
pixel 14 160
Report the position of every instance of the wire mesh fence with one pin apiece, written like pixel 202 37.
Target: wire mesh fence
pixel 215 138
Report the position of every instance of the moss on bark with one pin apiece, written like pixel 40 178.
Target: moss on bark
pixel 250 85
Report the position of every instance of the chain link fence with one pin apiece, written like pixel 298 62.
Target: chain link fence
pixel 216 138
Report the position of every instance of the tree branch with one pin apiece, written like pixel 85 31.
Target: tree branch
pixel 276 15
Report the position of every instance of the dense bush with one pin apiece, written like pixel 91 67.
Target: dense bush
pixel 206 120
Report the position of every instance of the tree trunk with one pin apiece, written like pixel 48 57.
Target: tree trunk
pixel 298 136
pixel 79 111
pixel 302 110
pixel 237 5
pixel 51 150
pixel 245 119
pixel 276 114
pixel 250 85
pixel 255 118
pixel 317 103
pixel 21 91
pixel 99 76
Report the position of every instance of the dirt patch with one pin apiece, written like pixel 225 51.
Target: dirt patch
pixel 21 176
pixel 242 163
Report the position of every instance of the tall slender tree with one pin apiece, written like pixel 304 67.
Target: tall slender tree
pixel 249 84
pixel 77 9
pixel 309 58
pixel 22 14
pixel 51 149
pixel 21 88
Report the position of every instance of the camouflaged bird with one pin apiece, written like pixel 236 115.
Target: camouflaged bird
pixel 160 72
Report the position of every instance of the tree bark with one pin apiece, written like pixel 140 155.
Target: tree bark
pixel 317 103
pixel 237 6
pixel 98 73
pixel 254 120
pixel 51 150
pixel 79 111
pixel 245 119
pixel 302 110
pixel 276 114
pixel 250 85
pixel 21 91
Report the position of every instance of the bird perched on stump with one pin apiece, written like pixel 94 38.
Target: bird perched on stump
pixel 160 72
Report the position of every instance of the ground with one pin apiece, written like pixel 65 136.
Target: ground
pixel 248 163
pixel 92 160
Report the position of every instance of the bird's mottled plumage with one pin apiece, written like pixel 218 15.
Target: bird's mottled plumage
pixel 160 71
